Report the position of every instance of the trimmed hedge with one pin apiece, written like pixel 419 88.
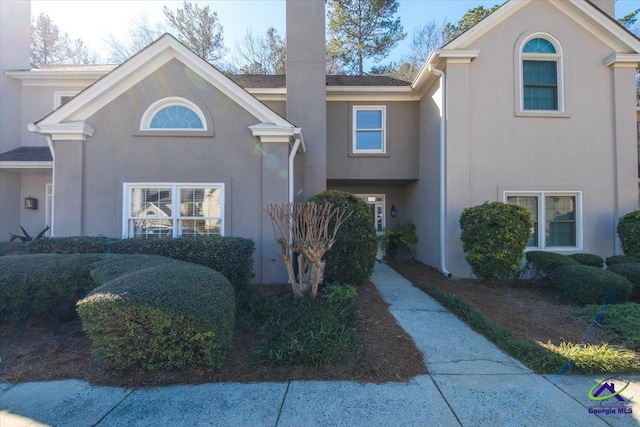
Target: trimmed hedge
pixel 353 255
pixel 494 236
pixel 629 232
pixel 622 259
pixel 540 263
pixel 12 248
pixel 171 316
pixel 631 272
pixel 231 256
pixel 588 259
pixel 46 284
pixel 590 285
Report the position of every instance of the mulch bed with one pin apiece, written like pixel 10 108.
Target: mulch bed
pixel 42 350
pixel 530 310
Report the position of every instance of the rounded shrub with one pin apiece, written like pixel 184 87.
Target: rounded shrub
pixel 112 266
pixel 353 255
pixel 176 315
pixel 584 284
pixel 45 284
pixel 631 272
pixel 622 259
pixel 494 236
pixel 629 232
pixel 541 263
pixel 588 259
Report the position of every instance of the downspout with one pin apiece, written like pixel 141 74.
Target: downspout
pixel 298 140
pixel 443 206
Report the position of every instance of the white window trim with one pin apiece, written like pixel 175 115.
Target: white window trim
pixel 381 108
pixel 127 231
pixel 57 96
pixel 558 57
pixel 153 109
pixel 542 219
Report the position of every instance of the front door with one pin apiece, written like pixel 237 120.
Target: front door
pixel 377 206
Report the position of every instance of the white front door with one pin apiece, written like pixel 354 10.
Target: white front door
pixel 377 205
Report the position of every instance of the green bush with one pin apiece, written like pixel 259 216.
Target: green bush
pixel 540 264
pixel 12 248
pixel 47 284
pixel 231 256
pixel 352 257
pixel 629 232
pixel 622 259
pixel 623 319
pixel 631 272
pixel 176 315
pixel 310 332
pixel 494 236
pixel 112 266
pixel 588 259
pixel 590 285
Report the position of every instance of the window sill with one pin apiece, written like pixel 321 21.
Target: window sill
pixel 369 155
pixel 175 133
pixel 543 113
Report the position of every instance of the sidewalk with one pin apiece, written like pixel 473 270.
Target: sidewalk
pixel 470 383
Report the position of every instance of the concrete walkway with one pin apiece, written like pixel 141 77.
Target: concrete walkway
pixel 471 383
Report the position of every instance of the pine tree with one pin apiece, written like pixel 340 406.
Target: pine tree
pixel 362 29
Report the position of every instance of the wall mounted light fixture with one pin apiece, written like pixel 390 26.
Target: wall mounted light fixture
pixel 394 211
pixel 31 203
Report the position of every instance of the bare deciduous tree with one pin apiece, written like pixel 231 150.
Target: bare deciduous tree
pixel 302 231
pixel 49 45
pixel 141 34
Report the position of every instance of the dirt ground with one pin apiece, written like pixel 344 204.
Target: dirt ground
pixel 42 350
pixel 531 311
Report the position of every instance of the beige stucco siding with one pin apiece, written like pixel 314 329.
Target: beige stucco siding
pixel 118 154
pixel 507 152
pixel 401 158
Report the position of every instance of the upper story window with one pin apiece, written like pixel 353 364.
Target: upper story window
pixel 369 134
pixel 173 113
pixel 541 75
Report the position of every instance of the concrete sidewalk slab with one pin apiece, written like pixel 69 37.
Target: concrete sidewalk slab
pixel 399 292
pixel 451 347
pixel 72 403
pixel 416 403
pixel 512 400
pixel 4 386
pixel 221 404
pixel 578 387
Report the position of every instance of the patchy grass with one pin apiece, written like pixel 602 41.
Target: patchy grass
pixel 623 319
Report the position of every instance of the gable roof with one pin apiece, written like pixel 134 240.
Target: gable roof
pixel 585 13
pixel 140 66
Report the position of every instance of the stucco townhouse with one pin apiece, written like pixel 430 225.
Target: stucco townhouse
pixel 534 106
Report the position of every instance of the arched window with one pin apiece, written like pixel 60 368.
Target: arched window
pixel 541 74
pixel 173 113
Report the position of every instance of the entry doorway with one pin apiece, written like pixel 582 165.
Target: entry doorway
pixel 376 204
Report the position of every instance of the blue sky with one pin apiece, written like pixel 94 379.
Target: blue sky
pixel 93 20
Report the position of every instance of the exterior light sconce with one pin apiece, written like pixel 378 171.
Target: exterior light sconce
pixel 31 203
pixel 394 211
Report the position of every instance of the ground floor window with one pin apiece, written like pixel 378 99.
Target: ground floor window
pixel 173 210
pixel 556 218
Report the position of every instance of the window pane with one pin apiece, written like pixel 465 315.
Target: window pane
pixel 539 46
pixel 369 119
pixel 200 202
pixel 200 227
pixel 152 229
pixel 146 202
pixel 540 72
pixel 368 140
pixel 531 204
pixel 540 85
pixel 176 117
pixel 560 215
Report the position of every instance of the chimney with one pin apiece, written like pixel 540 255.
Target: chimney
pixel 607 6
pixel 306 90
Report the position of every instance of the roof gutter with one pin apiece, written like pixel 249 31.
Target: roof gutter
pixel 443 135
